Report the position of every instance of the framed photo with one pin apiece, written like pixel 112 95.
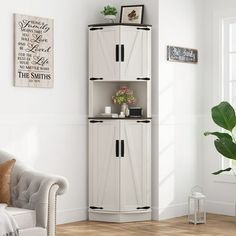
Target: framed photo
pixel 132 14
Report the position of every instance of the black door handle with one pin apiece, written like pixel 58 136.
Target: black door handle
pixel 144 78
pixel 122 148
pixel 95 28
pixel 96 208
pixel 93 78
pixel 143 208
pixel 117 148
pixel 117 52
pixel 143 121
pixel 96 121
pixel 142 28
pixel 122 52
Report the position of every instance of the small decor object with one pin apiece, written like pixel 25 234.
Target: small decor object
pixel 224 116
pixel 108 110
pixel 124 96
pixel 33 51
pixel 109 13
pixel 179 54
pixel 196 206
pixel 132 14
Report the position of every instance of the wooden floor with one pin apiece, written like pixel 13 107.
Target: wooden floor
pixel 216 225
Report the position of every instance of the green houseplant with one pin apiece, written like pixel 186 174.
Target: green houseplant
pixel 109 13
pixel 225 143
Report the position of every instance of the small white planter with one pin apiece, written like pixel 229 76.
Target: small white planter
pixel 110 18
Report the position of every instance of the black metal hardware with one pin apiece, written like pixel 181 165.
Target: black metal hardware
pixel 122 52
pixel 96 121
pixel 142 28
pixel 117 52
pixel 143 121
pixel 93 78
pixel 144 78
pixel 143 208
pixel 122 148
pixel 93 29
pixel 96 208
pixel 117 148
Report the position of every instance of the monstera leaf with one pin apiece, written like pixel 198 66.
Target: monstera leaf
pixel 226 147
pixel 219 135
pixel 221 171
pixel 224 115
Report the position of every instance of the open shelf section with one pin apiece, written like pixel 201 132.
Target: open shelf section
pixel 101 93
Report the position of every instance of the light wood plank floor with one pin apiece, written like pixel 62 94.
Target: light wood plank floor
pixel 217 225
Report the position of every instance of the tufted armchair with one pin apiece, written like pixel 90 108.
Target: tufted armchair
pixel 34 199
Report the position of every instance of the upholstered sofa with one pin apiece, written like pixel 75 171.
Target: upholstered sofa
pixel 33 197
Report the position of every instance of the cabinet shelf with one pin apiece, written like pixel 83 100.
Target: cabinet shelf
pixel 126 118
pixel 101 93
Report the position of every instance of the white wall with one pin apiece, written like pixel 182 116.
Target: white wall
pixel 220 190
pixel 180 106
pixel 46 128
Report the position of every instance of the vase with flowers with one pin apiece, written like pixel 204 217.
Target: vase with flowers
pixel 124 96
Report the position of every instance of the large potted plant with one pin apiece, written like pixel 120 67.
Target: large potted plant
pixel 225 143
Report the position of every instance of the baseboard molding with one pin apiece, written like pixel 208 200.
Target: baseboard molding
pixel 221 208
pixel 72 215
pixel 169 212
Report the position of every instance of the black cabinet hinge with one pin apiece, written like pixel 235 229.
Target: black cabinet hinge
pixel 93 78
pixel 143 121
pixel 143 208
pixel 96 121
pixel 95 28
pixel 96 208
pixel 144 78
pixel 143 28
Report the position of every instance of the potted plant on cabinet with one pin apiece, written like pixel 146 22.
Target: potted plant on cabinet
pixel 109 13
pixel 224 116
pixel 123 97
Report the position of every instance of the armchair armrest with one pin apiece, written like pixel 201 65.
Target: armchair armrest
pixel 36 191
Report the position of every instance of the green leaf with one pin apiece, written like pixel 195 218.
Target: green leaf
pixel 226 147
pixel 219 135
pixel 220 171
pixel 224 115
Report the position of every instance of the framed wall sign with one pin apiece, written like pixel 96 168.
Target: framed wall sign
pixel 132 14
pixel 34 62
pixel 180 54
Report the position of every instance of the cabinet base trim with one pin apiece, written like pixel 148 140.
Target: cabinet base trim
pixel 120 217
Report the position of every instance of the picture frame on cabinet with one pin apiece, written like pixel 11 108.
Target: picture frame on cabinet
pixel 132 14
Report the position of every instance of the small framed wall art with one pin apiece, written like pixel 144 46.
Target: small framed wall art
pixel 34 56
pixel 180 54
pixel 132 14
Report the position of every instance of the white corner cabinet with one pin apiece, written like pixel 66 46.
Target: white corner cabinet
pixel 119 148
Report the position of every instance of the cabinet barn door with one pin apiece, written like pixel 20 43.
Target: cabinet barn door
pixel 135 166
pixel 103 53
pixel 136 43
pixel 103 166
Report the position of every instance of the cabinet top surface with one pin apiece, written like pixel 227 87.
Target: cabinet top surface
pixel 113 24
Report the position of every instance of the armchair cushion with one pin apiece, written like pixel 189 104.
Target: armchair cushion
pixel 5 180
pixel 24 218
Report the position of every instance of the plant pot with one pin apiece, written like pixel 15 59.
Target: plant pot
pixel 110 18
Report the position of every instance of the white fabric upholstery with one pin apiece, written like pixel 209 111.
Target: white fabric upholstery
pixel 35 191
pixel 24 218
pixel 33 232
